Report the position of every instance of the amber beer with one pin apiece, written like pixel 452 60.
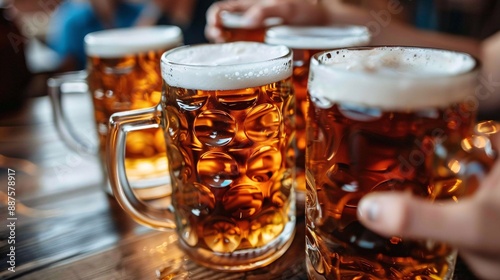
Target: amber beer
pixel 236 28
pixel 305 41
pixel 229 134
pixel 382 119
pixel 123 68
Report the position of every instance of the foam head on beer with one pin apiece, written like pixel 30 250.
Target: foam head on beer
pixel 392 78
pixel 318 37
pixel 226 66
pixel 115 43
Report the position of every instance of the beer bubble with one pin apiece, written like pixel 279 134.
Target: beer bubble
pixel 266 227
pixel 263 164
pixel 263 122
pixel 217 170
pixel 215 128
pixel 221 235
pixel 243 201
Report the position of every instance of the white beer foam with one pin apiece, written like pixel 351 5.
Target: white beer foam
pixel 226 66
pixel 114 43
pixel 392 78
pixel 318 37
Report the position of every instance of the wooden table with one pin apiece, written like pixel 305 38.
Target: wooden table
pixel 67 228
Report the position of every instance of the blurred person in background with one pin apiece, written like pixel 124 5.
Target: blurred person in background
pixel 189 15
pixel 74 19
pixel 14 73
pixel 462 25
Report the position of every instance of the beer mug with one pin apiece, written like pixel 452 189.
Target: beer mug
pixel 123 73
pixel 387 119
pixel 236 28
pixel 305 41
pixel 227 114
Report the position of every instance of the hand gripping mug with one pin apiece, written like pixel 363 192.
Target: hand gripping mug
pixel 236 28
pixel 387 119
pixel 123 73
pixel 227 114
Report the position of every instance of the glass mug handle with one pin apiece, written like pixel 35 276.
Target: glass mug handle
pixel 119 125
pixel 77 82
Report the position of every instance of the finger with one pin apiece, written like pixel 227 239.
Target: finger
pixel 214 34
pixel 400 214
pixel 215 10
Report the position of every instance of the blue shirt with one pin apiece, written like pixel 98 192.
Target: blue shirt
pixel 73 20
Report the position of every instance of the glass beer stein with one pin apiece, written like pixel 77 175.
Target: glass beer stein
pixel 235 28
pixel 123 73
pixel 386 119
pixel 305 41
pixel 227 114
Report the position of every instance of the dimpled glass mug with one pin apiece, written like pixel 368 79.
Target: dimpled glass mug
pixel 227 113
pixel 387 119
pixel 123 73
pixel 305 41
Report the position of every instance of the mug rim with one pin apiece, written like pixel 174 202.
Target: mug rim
pixel 227 76
pixel 360 83
pixel 477 63
pixel 318 37
pixel 164 59
pixel 119 42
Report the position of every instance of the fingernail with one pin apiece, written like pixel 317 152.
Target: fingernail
pixel 369 209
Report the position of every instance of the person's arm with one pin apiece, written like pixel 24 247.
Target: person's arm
pixel 489 81
pixel 387 29
pixel 384 24
pixel 293 12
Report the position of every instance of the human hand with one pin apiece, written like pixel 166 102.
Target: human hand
pixel 295 12
pixel 472 225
